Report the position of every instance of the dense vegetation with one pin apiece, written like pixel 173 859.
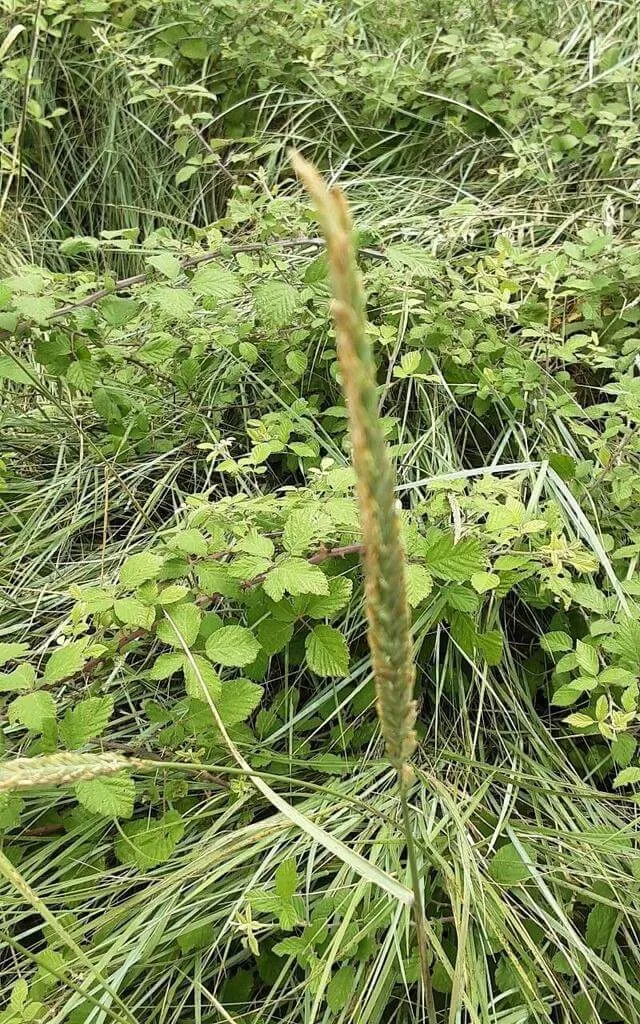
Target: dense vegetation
pixel 181 598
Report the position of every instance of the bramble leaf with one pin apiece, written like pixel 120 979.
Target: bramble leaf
pixel 85 721
pixel 139 568
pixel 295 576
pixel 627 777
pixel 340 988
pixel 33 710
pixel 419 584
pixel 183 626
pixel 132 612
pixel 238 699
pixel 286 878
pixel 112 796
pixel 216 281
pixel 275 303
pixel 601 923
pixel 202 675
pixel 150 841
pixel 327 651
pixel 11 652
pixel 507 866
pixel 65 662
pixel 456 562
pixel 22 678
pixel 166 665
pixel 232 645
pixel 324 607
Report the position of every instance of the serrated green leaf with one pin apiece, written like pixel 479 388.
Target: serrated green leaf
pixel 247 567
pixel 300 530
pixel 138 569
pixel 196 938
pixel 217 282
pixel 159 348
pixel 239 698
pixel 329 764
pixel 13 371
pixel 132 612
pixel 215 579
pixel 456 562
pixel 83 374
pixel 50 963
pixel 65 662
pixel 295 576
pixel 105 403
pixel 290 912
pixel 627 777
pixel 566 695
pixel 616 676
pixel 274 635
pixel 507 866
pixel 199 672
pixel 419 583
pixel 117 312
pixel 32 710
pixel 275 303
pixel 286 878
pixel 112 796
pixel 340 989
pixel 38 308
pixel 166 665
pixel 304 451
pixel 408 365
pixel 85 721
pixel 626 643
pixel 484 581
pixel 601 924
pixel 292 946
pixel 623 749
pixel 150 841
pixel 327 651
pixel 176 303
pixel 173 593
pixel 255 544
pixel 463 632
pixel 22 678
pixel 590 596
pixel 587 658
pixel 185 173
pixel 296 361
pixel 579 721
pixel 556 642
pixel 491 645
pixel 340 590
pixel 459 598
pixel 183 628
pixel 564 465
pixel 407 255
pixel 11 652
pixel 211 621
pixel 567 663
pixel 11 807
pixel 165 264
pixel 232 645
pixel 19 994
pixel 192 542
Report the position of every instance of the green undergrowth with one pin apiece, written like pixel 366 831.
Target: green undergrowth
pixel 180 578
